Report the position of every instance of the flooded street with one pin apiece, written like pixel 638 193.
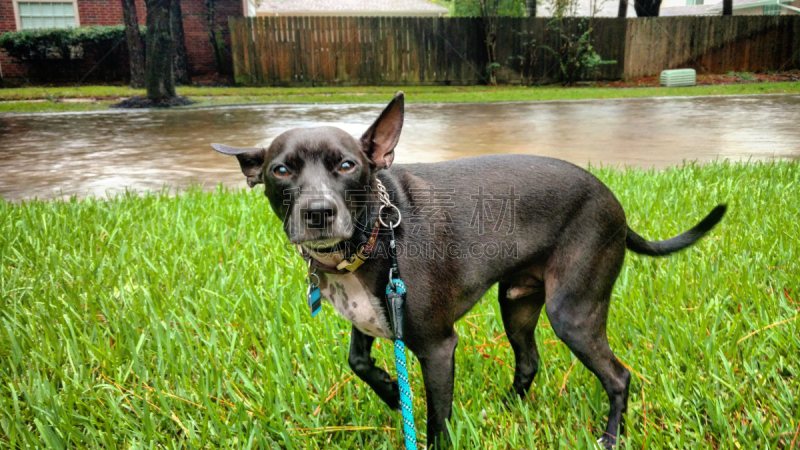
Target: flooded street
pixel 102 153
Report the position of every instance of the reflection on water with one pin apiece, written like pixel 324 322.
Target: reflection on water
pixel 99 153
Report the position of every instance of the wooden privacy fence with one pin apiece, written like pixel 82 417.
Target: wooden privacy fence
pixel 278 51
pixel 712 44
pixel 306 51
pixel 356 50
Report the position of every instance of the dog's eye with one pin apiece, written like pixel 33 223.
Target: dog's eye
pixel 281 171
pixel 347 166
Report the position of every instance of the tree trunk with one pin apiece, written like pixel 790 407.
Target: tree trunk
pixel 134 40
pixel 727 7
pixel 623 9
pixel 488 10
pixel 647 8
pixel 530 8
pixel 180 62
pixel 491 49
pixel 490 31
pixel 211 10
pixel 160 79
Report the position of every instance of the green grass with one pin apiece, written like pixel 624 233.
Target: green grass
pixel 179 322
pixel 22 107
pixel 14 97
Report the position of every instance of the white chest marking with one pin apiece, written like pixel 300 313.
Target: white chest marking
pixel 355 303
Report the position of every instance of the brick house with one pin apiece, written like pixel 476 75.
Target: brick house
pixel 348 8
pixel 740 7
pixel 21 14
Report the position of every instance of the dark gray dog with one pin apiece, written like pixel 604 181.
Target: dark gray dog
pixel 550 233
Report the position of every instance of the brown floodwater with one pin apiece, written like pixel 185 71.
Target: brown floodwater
pixel 47 155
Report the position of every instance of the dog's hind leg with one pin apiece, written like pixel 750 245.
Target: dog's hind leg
pixel 578 290
pixel 520 316
pixel 363 364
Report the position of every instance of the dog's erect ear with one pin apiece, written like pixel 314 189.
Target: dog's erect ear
pixel 250 159
pixel 379 140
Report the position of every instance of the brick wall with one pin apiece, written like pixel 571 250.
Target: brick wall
pixel 198 43
pixel 109 12
pixel 7 23
pixel 105 12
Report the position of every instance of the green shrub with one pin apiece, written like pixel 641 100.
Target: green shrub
pixel 60 43
pixel 472 8
pixel 576 57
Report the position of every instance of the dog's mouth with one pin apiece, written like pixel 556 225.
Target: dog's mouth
pixel 321 244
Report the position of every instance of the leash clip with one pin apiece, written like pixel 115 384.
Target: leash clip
pixel 396 297
pixel 395 290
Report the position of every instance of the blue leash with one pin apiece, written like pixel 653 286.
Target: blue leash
pixel 396 297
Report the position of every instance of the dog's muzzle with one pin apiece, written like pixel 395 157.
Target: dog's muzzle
pixel 319 222
pixel 319 213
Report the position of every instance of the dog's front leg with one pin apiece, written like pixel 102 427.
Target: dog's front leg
pixel 438 369
pixel 363 364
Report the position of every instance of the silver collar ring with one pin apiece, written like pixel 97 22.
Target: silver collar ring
pixel 380 216
pixel 383 196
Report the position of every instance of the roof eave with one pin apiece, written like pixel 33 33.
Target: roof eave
pixel 408 13
pixel 758 4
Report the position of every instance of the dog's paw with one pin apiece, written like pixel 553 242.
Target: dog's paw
pixel 510 400
pixel 606 443
pixel 392 398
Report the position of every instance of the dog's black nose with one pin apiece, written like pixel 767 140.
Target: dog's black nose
pixel 319 213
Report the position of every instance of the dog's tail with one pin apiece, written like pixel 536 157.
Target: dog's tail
pixel 662 248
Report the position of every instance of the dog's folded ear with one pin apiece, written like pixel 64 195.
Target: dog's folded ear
pixel 250 159
pixel 379 140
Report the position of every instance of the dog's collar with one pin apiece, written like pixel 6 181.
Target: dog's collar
pixel 348 265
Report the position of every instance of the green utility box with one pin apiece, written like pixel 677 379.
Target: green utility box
pixel 678 77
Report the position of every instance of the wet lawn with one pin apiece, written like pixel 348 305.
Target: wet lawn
pixel 180 321
pixel 92 98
